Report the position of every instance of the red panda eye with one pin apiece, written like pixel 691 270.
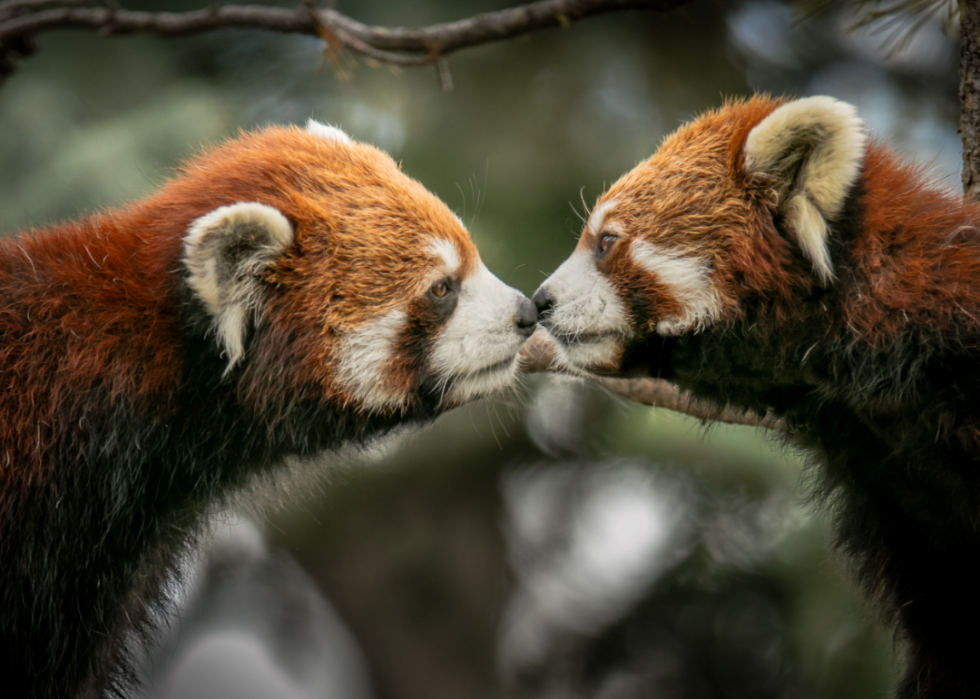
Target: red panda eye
pixel 606 241
pixel 440 289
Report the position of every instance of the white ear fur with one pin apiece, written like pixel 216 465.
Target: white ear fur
pixel 225 251
pixel 331 133
pixel 813 148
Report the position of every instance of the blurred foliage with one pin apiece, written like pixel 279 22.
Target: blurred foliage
pixel 478 558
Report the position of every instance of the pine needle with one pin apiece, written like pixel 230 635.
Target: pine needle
pixel 898 20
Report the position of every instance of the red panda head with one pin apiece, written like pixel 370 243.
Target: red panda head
pixel 734 206
pixel 317 262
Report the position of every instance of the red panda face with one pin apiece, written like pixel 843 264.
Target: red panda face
pixel 732 207
pixel 323 251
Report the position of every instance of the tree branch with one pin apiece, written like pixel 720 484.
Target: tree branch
pixel 970 96
pixel 539 356
pixel 22 20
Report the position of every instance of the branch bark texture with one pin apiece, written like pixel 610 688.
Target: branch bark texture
pixel 22 20
pixel 970 96
pixel 539 356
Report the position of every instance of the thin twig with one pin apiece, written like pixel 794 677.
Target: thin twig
pixel 445 77
pixel 663 394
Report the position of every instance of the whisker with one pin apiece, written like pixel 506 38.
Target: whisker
pixel 492 430
pixel 463 194
pixel 588 211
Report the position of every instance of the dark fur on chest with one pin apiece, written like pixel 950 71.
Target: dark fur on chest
pixel 85 554
pixel 894 430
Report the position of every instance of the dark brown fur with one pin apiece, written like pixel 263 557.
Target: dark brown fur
pixel 877 373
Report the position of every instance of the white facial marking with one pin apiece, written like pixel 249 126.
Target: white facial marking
pixel 598 216
pixel 446 251
pixel 588 319
pixel 477 349
pixel 331 133
pixel 813 147
pixel 365 354
pixel 231 298
pixel 689 280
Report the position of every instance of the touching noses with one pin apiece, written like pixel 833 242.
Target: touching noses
pixel 527 316
pixel 543 302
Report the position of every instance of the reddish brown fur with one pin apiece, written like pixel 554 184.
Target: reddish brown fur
pixel 655 202
pixel 344 205
pixel 917 252
pixel 122 420
pixel 904 213
pixel 356 217
pixel 55 354
pixel 876 371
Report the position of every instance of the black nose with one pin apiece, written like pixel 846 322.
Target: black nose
pixel 543 302
pixel 527 317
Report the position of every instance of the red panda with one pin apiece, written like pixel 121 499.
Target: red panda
pixel 771 257
pixel 289 292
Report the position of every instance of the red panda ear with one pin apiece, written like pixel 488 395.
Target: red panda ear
pixel 331 133
pixel 225 253
pixel 811 149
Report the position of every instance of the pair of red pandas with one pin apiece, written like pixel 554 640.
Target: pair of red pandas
pixel 291 292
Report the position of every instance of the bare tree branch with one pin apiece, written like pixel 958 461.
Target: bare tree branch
pixel 22 20
pixel 970 96
pixel 539 356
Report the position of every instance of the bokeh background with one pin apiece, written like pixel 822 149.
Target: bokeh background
pixel 557 541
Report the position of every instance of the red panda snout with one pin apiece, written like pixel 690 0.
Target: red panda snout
pixel 458 339
pixel 617 289
pixel 583 312
pixel 477 351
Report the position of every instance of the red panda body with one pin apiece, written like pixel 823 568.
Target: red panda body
pixel 289 293
pixel 768 258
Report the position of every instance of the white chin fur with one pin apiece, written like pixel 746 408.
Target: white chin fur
pixel 583 356
pixel 476 353
pixel 469 388
pixel 589 319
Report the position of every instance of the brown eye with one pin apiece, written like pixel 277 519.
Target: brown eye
pixel 440 289
pixel 606 241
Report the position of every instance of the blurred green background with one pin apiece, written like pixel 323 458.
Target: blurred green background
pixel 556 542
